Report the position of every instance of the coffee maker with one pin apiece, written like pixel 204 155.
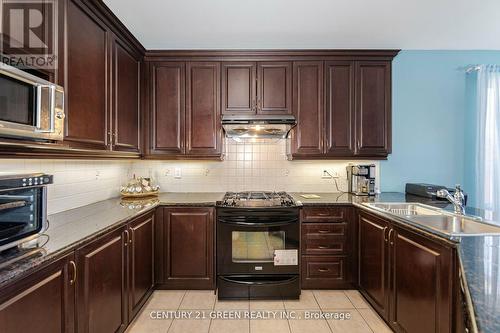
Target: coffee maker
pixel 361 179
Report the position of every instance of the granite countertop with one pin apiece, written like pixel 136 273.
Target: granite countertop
pixel 69 229
pixel 479 255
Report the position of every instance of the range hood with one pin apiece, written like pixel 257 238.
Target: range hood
pixel 258 126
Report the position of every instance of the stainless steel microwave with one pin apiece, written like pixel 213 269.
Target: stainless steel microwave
pixel 30 107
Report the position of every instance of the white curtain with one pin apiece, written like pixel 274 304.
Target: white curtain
pixel 488 138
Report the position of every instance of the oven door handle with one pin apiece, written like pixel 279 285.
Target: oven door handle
pixel 256 283
pixel 257 224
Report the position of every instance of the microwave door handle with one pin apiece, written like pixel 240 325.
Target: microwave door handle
pixel 50 108
pixel 39 108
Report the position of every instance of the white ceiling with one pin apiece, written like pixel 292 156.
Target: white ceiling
pixel 247 24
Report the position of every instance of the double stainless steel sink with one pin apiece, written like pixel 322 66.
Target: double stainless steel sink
pixel 442 221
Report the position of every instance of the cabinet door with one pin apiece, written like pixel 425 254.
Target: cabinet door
pixel 141 261
pixel 101 295
pixel 126 82
pixel 339 108
pixel 189 250
pixel 274 88
pixel 87 77
pixel 373 108
pixel 203 124
pixel 167 109
pixel 43 302
pixel 421 287
pixel 238 88
pixel 373 262
pixel 307 137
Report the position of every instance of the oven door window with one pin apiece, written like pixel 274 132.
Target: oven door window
pixel 17 102
pixel 21 214
pixel 256 246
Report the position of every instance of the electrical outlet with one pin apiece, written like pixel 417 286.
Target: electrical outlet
pixel 177 173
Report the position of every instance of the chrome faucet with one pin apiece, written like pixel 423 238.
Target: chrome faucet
pixel 457 199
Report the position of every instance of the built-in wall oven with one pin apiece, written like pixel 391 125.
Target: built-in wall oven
pixel 257 252
pixel 30 107
pixel 23 208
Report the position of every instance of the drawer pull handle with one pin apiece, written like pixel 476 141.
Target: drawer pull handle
pixel 323 247
pixel 324 231
pixel 323 270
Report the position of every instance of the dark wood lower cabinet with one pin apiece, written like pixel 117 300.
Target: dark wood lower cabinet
pixel 141 261
pixel 373 262
pixel 43 302
pixel 187 253
pixel 407 278
pixel 102 292
pixel 421 284
pixel 327 247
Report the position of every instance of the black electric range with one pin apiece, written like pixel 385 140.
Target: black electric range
pixel 258 236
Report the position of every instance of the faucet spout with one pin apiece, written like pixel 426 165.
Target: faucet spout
pixel 457 199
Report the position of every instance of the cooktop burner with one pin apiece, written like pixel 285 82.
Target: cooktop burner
pixel 257 199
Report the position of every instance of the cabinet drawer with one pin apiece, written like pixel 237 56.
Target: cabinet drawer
pixel 321 244
pixel 325 214
pixel 325 272
pixel 330 229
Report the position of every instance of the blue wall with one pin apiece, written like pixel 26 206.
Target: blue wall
pixel 431 125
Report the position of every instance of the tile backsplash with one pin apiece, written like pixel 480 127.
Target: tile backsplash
pixel 76 183
pixel 247 166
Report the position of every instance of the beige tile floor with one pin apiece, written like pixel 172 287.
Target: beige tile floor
pixel 200 306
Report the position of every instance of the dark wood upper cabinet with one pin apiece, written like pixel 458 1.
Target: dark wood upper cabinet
pixel 126 108
pixel 167 119
pixel 188 248
pixel 421 292
pixel 257 87
pixel 87 78
pixel 340 130
pixel 43 302
pixel 102 83
pixel 307 137
pixel 373 262
pixel 203 119
pixel 102 279
pixel 141 262
pixel 373 108
pixel 239 87
pixel 274 88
